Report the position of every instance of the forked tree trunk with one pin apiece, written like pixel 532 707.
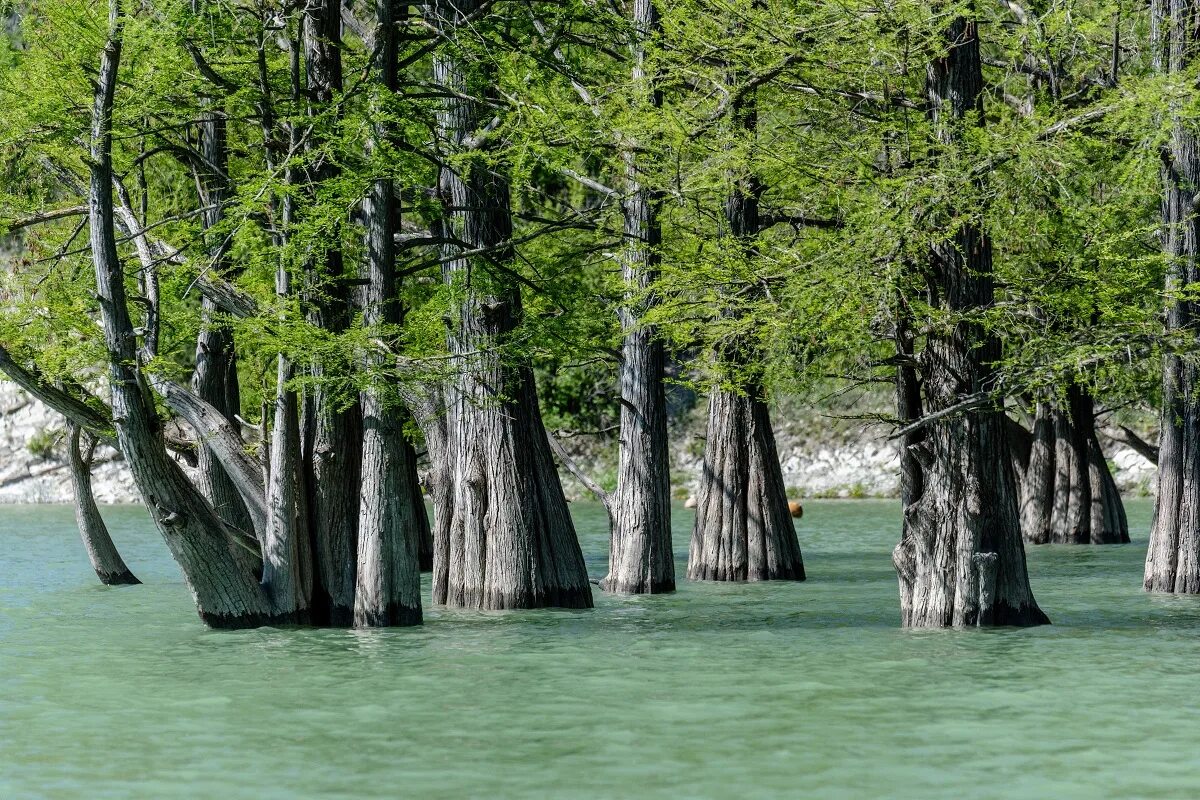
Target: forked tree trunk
pixel 226 594
pixel 388 590
pixel 106 561
pixel 1068 495
pixel 744 528
pixel 960 560
pixel 1173 557
pixel 511 542
pixel 332 430
pixel 640 559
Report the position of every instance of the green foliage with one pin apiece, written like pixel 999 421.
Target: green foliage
pixel 854 183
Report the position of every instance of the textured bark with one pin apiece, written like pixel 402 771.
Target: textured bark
pixel 287 561
pixel 102 553
pixel 226 594
pixel 214 379
pixel 1068 495
pixel 222 440
pixel 640 559
pixel 1173 557
pixel 960 560
pixel 388 589
pixel 332 441
pixel 743 528
pixel 511 542
pixel 912 477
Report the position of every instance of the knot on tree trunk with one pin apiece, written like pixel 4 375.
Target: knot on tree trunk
pixel 170 519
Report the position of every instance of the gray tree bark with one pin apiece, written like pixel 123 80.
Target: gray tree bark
pixel 641 560
pixel 332 431
pixel 214 379
pixel 388 589
pixel 960 560
pixel 102 553
pixel 511 542
pixel 226 594
pixel 1068 495
pixel 1173 557
pixel 744 528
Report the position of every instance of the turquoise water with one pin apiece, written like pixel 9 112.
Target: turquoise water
pixel 775 690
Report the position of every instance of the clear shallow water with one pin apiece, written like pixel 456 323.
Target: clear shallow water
pixel 718 690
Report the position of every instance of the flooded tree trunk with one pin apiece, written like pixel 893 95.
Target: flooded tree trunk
pixel 1068 495
pixel 226 595
pixel 287 555
pixel 332 426
pixel 1173 557
pixel 961 559
pixel 388 589
pixel 641 560
pixel 102 553
pixel 743 529
pixel 511 542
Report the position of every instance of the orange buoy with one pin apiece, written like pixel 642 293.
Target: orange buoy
pixel 796 509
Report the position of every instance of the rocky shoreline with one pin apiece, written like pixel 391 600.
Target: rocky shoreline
pixel 823 454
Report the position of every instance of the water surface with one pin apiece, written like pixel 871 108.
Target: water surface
pixel 770 690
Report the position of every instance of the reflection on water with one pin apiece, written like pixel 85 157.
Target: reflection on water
pixel 758 690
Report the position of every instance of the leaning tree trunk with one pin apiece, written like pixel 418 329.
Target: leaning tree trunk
pixel 511 542
pixel 960 560
pixel 332 428
pixel 106 561
pixel 1173 557
pixel 1068 495
pixel 226 594
pixel 743 528
pixel 641 560
pixel 388 590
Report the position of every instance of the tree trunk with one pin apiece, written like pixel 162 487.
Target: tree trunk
pixel 743 528
pixel 226 595
pixel 960 560
pixel 332 441
pixel 1068 495
pixel 641 560
pixel 215 378
pixel 106 561
pixel 388 589
pixel 1173 557
pixel 511 542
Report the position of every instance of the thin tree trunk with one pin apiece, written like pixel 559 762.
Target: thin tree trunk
pixel 226 595
pixel 388 589
pixel 106 561
pixel 1037 488
pixel 1173 557
pixel 215 378
pixel 743 528
pixel 332 439
pixel 511 542
pixel 912 476
pixel 641 560
pixel 960 559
